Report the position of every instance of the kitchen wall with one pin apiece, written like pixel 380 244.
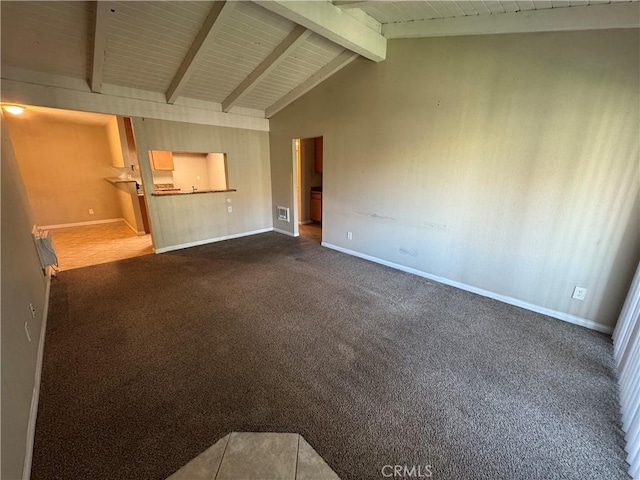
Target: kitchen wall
pixel 180 220
pixel 507 164
pixel 64 166
pixel 217 170
pixel 130 207
pixel 23 283
pixel 187 167
pixel 162 177
pixel 115 145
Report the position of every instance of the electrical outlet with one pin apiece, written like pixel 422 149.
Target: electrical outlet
pixel 229 209
pixel 349 235
pixel 91 211
pixel 579 293
pixel 33 310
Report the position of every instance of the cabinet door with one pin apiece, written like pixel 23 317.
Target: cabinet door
pixel 319 154
pixel 316 207
pixel 161 160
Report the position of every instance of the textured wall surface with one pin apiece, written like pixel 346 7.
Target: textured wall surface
pixel 507 163
pixel 64 166
pixel 183 219
pixel 22 283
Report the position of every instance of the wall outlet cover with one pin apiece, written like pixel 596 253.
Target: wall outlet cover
pixel 579 293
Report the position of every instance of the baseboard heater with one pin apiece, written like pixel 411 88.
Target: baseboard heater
pixel 45 248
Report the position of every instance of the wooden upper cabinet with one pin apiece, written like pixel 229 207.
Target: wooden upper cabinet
pixel 161 160
pixel 319 154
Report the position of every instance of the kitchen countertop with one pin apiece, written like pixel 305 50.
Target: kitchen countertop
pixel 119 180
pixel 189 192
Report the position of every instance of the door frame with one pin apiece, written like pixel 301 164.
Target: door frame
pixel 296 182
pixel 295 186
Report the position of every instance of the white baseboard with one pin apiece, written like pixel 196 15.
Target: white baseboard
pixel 284 232
pixel 33 413
pixel 306 222
pixel 485 293
pixel 211 240
pixel 82 224
pixel 133 229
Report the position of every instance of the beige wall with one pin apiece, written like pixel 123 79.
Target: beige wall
pixel 162 176
pixel 185 219
pixel 64 166
pixel 130 206
pixel 115 144
pixel 217 171
pixel 23 282
pixel 187 167
pixel 507 163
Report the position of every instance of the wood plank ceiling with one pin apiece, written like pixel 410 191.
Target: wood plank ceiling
pixel 236 54
pixel 408 11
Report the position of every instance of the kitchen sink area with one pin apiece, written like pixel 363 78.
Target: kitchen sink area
pixel 188 173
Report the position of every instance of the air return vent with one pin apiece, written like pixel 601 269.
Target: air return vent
pixel 283 214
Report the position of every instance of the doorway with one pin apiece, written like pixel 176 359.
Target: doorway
pixel 81 184
pixel 308 163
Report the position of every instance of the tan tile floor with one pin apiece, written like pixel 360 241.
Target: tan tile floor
pixel 257 456
pixel 94 244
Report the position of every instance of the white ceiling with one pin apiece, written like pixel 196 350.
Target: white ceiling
pixel 152 46
pixel 409 11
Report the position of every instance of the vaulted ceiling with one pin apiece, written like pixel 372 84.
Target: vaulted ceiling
pixel 250 55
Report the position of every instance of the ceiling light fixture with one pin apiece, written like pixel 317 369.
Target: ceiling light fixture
pixel 13 109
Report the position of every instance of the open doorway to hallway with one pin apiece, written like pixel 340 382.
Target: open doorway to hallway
pixel 80 175
pixel 309 163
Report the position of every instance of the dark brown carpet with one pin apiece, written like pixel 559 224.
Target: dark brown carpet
pixel 150 360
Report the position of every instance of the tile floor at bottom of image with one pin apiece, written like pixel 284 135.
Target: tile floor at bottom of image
pixel 257 456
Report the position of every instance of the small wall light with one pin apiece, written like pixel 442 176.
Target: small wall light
pixel 13 109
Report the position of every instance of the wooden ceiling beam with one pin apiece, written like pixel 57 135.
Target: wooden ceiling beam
pixel 288 45
pixel 347 4
pixel 211 27
pixel 589 17
pixel 341 61
pixel 331 22
pixel 99 45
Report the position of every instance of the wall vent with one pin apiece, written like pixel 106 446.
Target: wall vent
pixel 283 214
